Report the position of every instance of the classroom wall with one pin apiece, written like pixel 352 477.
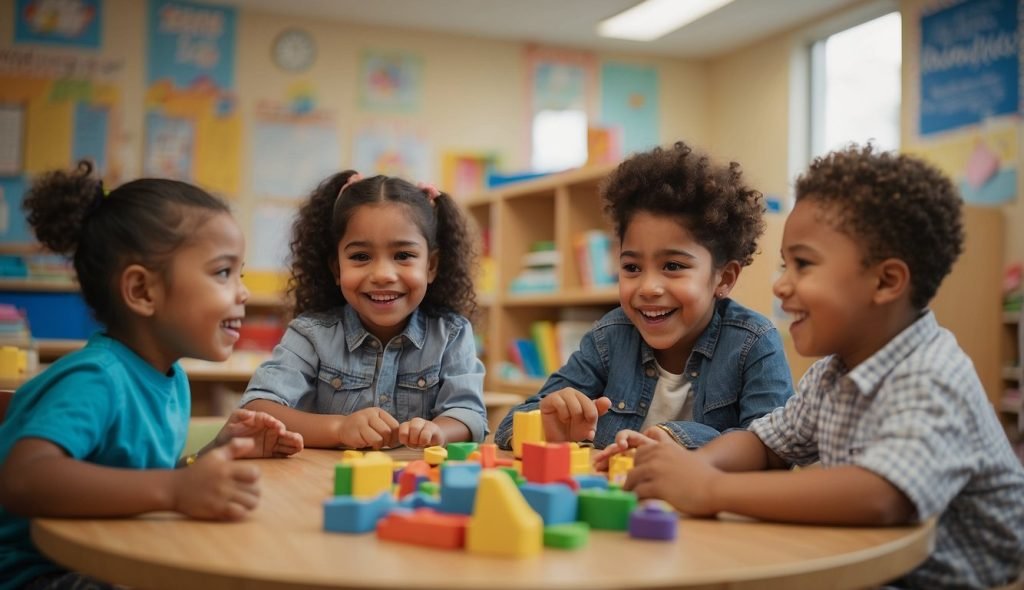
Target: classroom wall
pixel 750 95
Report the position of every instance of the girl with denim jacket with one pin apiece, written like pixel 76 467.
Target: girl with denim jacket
pixel 678 359
pixel 380 353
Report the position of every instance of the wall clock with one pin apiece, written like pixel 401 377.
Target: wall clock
pixel 294 50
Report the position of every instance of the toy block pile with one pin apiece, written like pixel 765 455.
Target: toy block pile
pixel 464 496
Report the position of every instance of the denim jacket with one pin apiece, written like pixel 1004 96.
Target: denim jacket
pixel 327 363
pixel 737 370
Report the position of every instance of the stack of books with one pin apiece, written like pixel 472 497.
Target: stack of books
pixel 540 270
pixel 595 259
pixel 13 327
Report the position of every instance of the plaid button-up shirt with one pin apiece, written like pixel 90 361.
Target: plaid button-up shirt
pixel 916 414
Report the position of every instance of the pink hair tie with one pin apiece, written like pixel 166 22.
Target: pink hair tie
pixel 430 190
pixel 351 180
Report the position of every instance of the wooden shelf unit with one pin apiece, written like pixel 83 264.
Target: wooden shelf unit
pixel 1011 406
pixel 554 208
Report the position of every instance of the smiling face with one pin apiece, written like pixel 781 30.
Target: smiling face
pixel 667 286
pixel 203 301
pixel 384 267
pixel 826 288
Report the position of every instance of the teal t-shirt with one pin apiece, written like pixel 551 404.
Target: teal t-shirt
pixel 102 404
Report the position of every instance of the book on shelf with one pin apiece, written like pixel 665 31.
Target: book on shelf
pixel 540 270
pixel 594 259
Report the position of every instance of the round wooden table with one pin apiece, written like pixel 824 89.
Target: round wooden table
pixel 282 545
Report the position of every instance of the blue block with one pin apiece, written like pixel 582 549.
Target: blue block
pixel 599 482
pixel 346 514
pixel 419 500
pixel 554 502
pixel 459 482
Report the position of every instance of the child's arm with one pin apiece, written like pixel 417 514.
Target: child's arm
pixel 460 400
pixel 585 374
pixel 271 437
pixel 367 428
pixel 39 479
pixel 846 495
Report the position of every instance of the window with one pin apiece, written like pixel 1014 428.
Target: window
pixel 855 86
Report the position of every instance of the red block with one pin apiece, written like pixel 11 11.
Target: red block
pixel 408 480
pixel 424 527
pixel 545 463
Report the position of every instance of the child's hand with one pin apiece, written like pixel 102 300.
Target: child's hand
pixel 419 433
pixel 271 437
pixel 675 474
pixel 216 487
pixel 570 416
pixel 369 428
pixel 629 439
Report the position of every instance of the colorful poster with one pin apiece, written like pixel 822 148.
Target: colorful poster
pixel 969 64
pixel 12 138
pixel 390 81
pixel 559 86
pixel 981 159
pixel 191 44
pixel 392 151
pixel 13 227
pixel 290 156
pixel 464 174
pixel 170 143
pixel 73 23
pixel 629 102
pixel 90 135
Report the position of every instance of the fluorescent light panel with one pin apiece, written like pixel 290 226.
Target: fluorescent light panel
pixel 652 19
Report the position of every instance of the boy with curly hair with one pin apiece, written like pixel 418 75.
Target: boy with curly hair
pixel 679 359
pixel 895 413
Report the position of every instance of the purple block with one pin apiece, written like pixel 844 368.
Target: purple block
pixel 652 522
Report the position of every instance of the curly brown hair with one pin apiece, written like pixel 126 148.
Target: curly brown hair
pixel 321 224
pixel 896 206
pixel 711 201
pixel 141 222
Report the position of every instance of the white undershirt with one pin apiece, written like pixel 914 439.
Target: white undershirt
pixel 672 399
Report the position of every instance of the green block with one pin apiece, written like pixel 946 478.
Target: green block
pixel 430 488
pixel 606 509
pixel 342 480
pixel 511 472
pixel 460 451
pixel 570 535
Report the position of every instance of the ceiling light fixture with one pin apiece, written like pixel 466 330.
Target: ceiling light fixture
pixel 652 19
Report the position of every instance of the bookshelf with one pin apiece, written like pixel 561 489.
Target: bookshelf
pixel 555 209
pixel 1011 405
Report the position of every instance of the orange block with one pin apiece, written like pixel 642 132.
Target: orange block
pixel 545 463
pixel 424 527
pixel 408 481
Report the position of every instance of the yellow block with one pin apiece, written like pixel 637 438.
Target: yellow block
pixel 435 455
pixel 371 474
pixel 526 427
pixel 618 468
pixel 351 454
pixel 579 459
pixel 502 522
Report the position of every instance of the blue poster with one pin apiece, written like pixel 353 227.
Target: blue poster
pixel 89 141
pixel 170 143
pixel 13 226
pixel 191 43
pixel 74 23
pixel 629 101
pixel 969 64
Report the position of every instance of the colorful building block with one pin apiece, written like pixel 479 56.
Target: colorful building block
pixel 503 523
pixel 606 509
pixel 342 479
pixel 348 514
pixel 419 500
pixel 371 474
pixel 526 427
pixel 579 459
pixel 592 481
pixel 424 527
pixel 435 455
pixel 459 451
pixel 410 478
pixel 458 487
pixel 652 521
pixel 545 462
pixel 556 504
pixel 619 467
pixel 572 535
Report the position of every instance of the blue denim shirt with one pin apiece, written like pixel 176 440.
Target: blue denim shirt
pixel 327 363
pixel 737 371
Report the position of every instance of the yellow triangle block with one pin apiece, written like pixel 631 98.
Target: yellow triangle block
pixel 502 522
